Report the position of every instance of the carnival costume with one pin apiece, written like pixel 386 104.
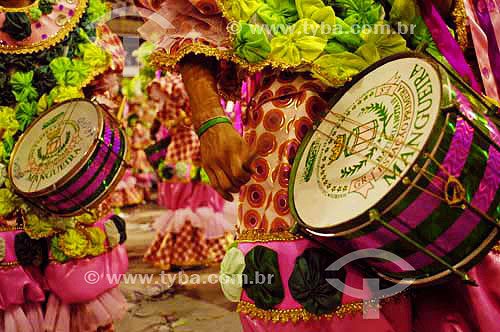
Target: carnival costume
pixel 194 231
pixel 50 52
pixel 299 71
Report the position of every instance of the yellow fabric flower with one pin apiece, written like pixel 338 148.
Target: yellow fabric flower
pixel 381 45
pixel 74 243
pixel 338 67
pixel 231 274
pixel 8 202
pixel 8 121
pixel 242 10
pixel 96 241
pixel 317 11
pixel 37 227
pixel 302 44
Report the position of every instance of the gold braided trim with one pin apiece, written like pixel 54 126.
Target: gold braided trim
pixel 25 9
pixel 11 228
pixel 460 19
pixel 8 265
pixel 259 235
pixel 496 249
pixel 301 314
pixel 52 40
pixel 161 59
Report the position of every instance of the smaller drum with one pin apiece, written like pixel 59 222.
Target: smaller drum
pixel 69 159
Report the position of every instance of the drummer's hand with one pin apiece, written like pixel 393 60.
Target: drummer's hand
pixel 226 159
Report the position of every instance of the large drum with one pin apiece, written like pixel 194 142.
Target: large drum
pixel 69 158
pixel 404 163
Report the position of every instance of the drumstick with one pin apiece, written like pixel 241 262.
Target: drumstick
pixel 429 176
pixel 375 216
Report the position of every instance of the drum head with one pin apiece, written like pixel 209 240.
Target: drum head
pixel 362 149
pixel 54 147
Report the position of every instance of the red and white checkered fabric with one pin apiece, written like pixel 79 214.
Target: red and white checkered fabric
pixel 111 43
pixel 185 249
pixel 184 146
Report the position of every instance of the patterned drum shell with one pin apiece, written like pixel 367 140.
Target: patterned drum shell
pixel 462 143
pixel 90 163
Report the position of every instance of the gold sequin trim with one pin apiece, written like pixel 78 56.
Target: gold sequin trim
pixel 496 249
pixel 460 19
pixel 161 59
pixel 25 9
pixel 52 40
pixel 11 228
pixel 300 314
pixel 8 265
pixel 259 235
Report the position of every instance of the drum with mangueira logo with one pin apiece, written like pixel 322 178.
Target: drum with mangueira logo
pixel 405 161
pixel 70 158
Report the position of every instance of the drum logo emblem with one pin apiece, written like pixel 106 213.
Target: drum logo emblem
pixel 373 139
pixel 56 147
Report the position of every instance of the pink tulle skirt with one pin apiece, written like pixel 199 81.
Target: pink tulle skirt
pixel 86 317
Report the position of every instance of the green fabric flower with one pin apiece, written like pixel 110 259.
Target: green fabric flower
pixel 65 92
pixel 63 71
pixel 96 241
pixel 6 148
pixel 17 25
pixel 43 104
pixel 344 35
pixel 96 10
pixel 300 45
pixel 381 45
pixel 74 243
pixel 251 43
pixel 340 67
pixel 22 86
pixel 86 218
pixel 8 121
pixel 317 11
pixel 231 274
pixel 81 70
pixel 278 12
pixel 56 252
pixel 46 6
pixel 360 11
pixel 263 279
pixel 404 12
pixel 242 10
pixel 335 47
pixel 35 13
pixel 25 113
pixel 8 202
pixel 94 56
pixel 309 285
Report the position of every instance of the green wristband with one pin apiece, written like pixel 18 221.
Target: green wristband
pixel 210 123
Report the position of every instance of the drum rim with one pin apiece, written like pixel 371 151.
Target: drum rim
pixel 75 168
pixel 465 264
pixel 361 220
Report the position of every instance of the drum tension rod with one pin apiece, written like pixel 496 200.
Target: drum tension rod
pixel 375 216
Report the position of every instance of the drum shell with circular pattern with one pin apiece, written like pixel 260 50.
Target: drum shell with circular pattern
pixel 71 173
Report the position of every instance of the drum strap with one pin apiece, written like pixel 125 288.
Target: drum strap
pixel 446 43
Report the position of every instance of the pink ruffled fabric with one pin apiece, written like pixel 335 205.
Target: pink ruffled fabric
pixel 85 317
pixel 68 281
pixel 198 203
pixel 25 318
